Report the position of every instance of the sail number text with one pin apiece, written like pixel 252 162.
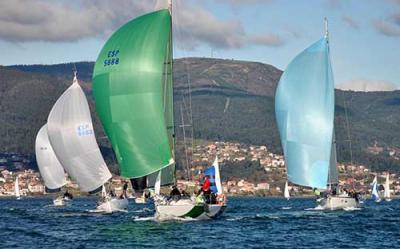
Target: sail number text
pixel 85 130
pixel 112 58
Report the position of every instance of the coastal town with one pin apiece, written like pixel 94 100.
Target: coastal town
pixel 258 172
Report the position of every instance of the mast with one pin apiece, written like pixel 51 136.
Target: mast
pixel 326 29
pixel 170 6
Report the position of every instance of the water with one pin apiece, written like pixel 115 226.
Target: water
pixel 247 223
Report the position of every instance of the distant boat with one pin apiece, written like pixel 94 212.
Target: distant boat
pixel 133 89
pixel 387 188
pixel 16 189
pixel 375 193
pixel 304 108
pixel 286 193
pixel 50 167
pixel 71 134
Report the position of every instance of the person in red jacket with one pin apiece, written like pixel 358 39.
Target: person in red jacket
pixel 206 184
pixel 206 189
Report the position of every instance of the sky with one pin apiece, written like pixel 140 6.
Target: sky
pixel 364 34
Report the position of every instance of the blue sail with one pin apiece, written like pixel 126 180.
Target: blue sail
pixel 304 108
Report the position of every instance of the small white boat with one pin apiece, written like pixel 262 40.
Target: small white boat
pixel 112 205
pixel 387 189
pixel 286 193
pixel 16 188
pixel 337 202
pixel 59 201
pixel 375 194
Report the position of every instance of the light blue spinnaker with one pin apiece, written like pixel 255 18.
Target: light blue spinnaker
pixel 304 108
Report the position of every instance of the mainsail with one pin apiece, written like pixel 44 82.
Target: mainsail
pixel 50 168
pixel 214 177
pixel 286 194
pixel 71 135
pixel 374 192
pixel 304 107
pixel 387 187
pixel 132 84
pixel 16 188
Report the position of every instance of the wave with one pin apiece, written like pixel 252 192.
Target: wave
pixel 137 218
pixel 351 208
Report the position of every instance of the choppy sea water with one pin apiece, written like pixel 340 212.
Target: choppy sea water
pixel 247 223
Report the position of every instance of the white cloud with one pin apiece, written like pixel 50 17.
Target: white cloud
pixel 40 20
pixel 351 22
pixel 267 40
pixel 363 85
pixel 73 20
pixel 242 2
pixel 386 28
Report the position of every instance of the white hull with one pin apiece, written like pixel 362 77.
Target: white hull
pixel 184 208
pixel 140 200
pixel 59 202
pixel 113 205
pixel 338 202
pixel 212 211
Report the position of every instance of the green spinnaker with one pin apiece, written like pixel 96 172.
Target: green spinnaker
pixel 133 90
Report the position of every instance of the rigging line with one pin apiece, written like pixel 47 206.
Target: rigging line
pixel 347 127
pixel 184 142
pixel 189 111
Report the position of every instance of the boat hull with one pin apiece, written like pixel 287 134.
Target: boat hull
pixel 212 211
pixel 338 202
pixel 113 205
pixel 179 209
pixel 59 202
pixel 140 200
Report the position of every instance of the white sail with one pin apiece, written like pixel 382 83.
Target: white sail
pixel 50 168
pixel 375 194
pixel 217 176
pixel 71 135
pixel 286 193
pixel 157 185
pixel 387 187
pixel 16 188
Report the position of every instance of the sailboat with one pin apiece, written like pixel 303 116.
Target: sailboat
pixel 50 167
pixel 286 193
pixel 375 193
pixel 132 85
pixel 16 189
pixel 71 135
pixel 304 108
pixel 387 188
pixel 216 207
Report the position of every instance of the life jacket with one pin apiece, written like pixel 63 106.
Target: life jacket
pixel 199 199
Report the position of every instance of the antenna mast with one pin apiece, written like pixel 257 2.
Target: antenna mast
pixel 170 6
pixel 326 28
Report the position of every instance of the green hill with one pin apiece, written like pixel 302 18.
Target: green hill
pixel 231 101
